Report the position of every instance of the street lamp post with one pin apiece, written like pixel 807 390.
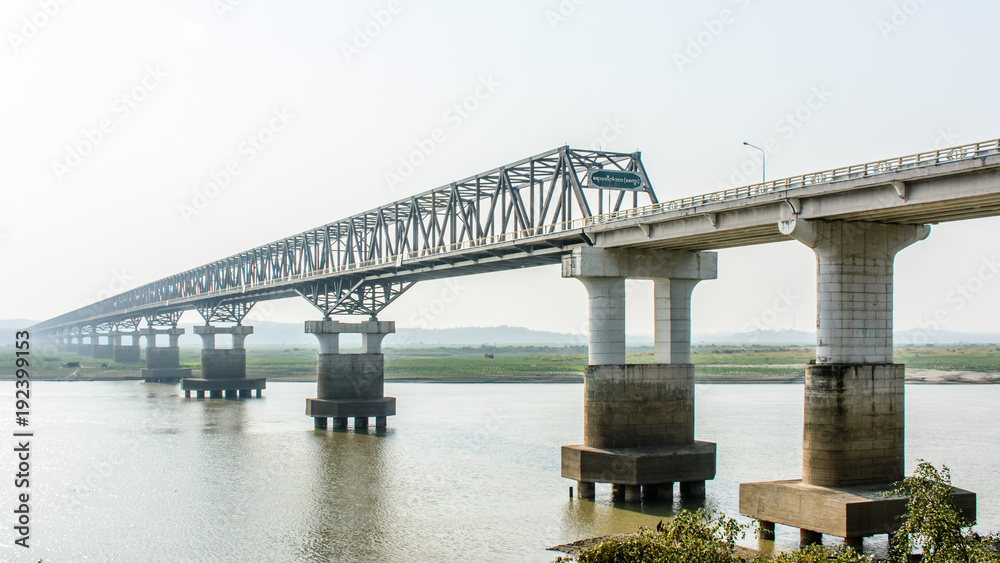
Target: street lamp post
pixel 763 155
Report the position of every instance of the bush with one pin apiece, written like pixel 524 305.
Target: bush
pixel 702 537
pixel 934 524
pixel 931 523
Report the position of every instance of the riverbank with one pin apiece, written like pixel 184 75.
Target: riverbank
pixel 539 364
pixel 914 377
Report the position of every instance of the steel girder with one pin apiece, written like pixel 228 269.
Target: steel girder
pixel 225 311
pixel 539 195
pixel 347 296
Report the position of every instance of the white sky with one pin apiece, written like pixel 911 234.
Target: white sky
pixel 896 77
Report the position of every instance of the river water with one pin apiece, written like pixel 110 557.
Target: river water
pixel 130 471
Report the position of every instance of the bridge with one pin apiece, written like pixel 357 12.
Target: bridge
pixel 596 213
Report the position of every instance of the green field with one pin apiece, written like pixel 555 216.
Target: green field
pixel 518 363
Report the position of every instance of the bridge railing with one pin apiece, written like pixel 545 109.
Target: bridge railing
pixel 878 167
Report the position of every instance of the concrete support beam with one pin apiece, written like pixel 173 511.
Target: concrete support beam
pixel 223 370
pixel 675 273
pixel 672 320
pixel 853 424
pixel 163 363
pixel 125 353
pixel 86 349
pixel 606 313
pixel 639 419
pixel 854 395
pixel 101 351
pixel 854 285
pixel 350 385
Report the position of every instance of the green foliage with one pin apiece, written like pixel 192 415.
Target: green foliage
pixel 691 537
pixel 820 554
pixel 933 524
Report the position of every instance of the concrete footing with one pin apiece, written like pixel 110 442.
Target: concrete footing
pixel 851 512
pixel 662 466
pixel 241 387
pixel 164 375
pixel 356 409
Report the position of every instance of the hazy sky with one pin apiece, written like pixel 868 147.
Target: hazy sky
pixel 116 115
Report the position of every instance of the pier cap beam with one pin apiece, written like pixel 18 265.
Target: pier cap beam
pixel 208 332
pixel 328 333
pixel 674 273
pixel 640 263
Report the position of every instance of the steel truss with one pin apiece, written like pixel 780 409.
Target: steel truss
pixel 164 318
pixel 537 196
pixel 346 296
pixel 220 311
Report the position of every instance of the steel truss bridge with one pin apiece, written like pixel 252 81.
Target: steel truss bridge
pixel 523 214
pixel 531 213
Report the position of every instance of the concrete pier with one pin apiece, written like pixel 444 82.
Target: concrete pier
pixel 87 349
pixel 122 353
pixel 101 351
pixel 350 385
pixel 639 419
pixel 854 395
pixel 223 371
pixel 163 363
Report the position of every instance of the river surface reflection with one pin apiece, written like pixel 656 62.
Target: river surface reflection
pixel 129 471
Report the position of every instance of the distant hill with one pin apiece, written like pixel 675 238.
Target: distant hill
pixel 9 325
pixel 755 337
pixel 292 334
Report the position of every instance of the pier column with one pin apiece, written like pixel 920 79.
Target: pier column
pixel 102 351
pixel 223 370
pixel 163 363
pixel 639 419
pixel 852 447
pixel 87 349
pixel 125 354
pixel 350 385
